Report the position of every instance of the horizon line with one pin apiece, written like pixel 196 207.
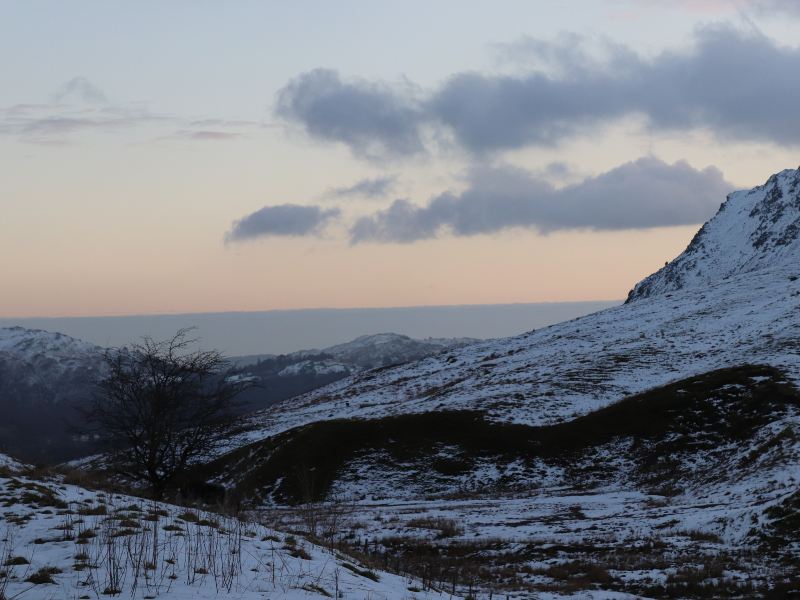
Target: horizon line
pixel 304 309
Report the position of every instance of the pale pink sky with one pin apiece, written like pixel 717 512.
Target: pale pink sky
pixel 132 139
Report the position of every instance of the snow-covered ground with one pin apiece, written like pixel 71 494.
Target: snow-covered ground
pixel 61 541
pixel 576 367
pixel 732 299
pixel 10 464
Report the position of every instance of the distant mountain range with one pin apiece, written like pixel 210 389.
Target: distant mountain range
pixel 288 375
pixel 46 378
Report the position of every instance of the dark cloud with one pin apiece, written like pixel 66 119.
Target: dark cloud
pixel 372 119
pixel 738 85
pixel 735 84
pixel 501 112
pixel 404 222
pixel 376 187
pixel 641 194
pixel 281 220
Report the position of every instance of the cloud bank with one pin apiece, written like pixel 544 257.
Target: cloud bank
pixel 739 85
pixel 641 194
pixel 281 220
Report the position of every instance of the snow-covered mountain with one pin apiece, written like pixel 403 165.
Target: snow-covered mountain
pixel 669 425
pixel 385 349
pixel 364 352
pixel 44 378
pixel 289 375
pixel 754 229
pixel 45 355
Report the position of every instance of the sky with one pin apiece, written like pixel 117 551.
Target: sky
pixel 198 156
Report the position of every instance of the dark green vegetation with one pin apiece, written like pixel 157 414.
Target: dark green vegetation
pixel 645 437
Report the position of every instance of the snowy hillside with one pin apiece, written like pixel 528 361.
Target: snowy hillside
pixel 647 448
pixel 575 367
pixel 10 464
pixel 64 541
pixel 754 229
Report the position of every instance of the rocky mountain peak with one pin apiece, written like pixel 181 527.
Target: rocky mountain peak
pixel 753 229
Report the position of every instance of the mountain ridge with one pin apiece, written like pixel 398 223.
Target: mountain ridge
pixel 726 308
pixel 752 229
pixel 54 374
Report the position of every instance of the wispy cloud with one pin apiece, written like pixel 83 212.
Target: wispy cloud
pixel 781 7
pixel 720 7
pixel 81 89
pixel 376 187
pixel 203 135
pixel 80 107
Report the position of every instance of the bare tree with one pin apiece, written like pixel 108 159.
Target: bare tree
pixel 163 407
